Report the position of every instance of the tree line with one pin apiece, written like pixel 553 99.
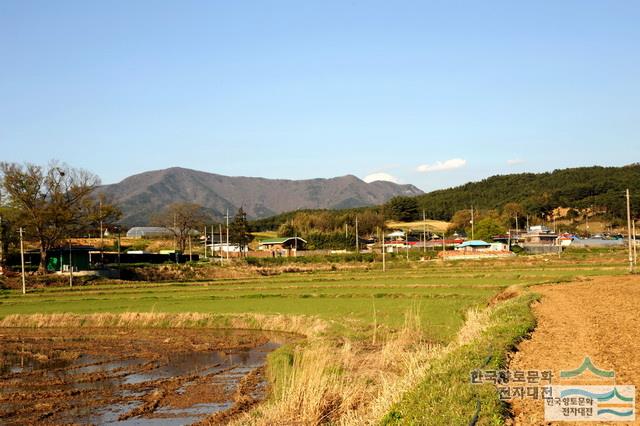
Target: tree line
pixel 57 202
pixel 498 200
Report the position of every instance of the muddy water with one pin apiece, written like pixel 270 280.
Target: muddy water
pixel 142 377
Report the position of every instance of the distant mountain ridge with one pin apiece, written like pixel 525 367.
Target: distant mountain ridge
pixel 142 195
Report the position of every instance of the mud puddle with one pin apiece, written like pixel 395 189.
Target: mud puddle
pixel 142 377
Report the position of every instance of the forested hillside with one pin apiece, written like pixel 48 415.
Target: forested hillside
pixel 600 188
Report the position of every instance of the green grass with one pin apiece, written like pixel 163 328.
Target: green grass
pixel 348 303
pixel 446 395
pixel 441 292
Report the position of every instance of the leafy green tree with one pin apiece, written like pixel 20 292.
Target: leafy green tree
pixel 239 231
pixel 487 228
pixel 402 208
pixel 287 230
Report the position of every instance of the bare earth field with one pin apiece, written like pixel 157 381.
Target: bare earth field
pixel 145 376
pixel 598 317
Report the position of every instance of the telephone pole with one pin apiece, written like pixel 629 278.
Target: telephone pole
pixel 472 225
pixel 424 232
pixel 384 265
pixel 357 242
pixel 101 238
pixel 629 231
pixel 24 285
pixel 635 244
pixel 220 251
pixel 70 266
pixel 205 241
pixel 227 234
pixel 406 243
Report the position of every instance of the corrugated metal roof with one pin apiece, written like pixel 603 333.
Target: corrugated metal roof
pixel 475 243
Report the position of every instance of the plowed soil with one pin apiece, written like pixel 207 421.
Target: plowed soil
pixel 599 318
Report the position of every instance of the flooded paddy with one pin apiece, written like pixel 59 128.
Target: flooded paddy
pixel 125 376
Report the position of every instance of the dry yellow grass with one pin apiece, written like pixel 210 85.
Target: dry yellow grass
pixel 303 325
pixel 431 225
pixel 356 383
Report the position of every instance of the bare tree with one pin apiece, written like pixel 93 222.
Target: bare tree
pixel 182 219
pixel 50 200
pixel 100 212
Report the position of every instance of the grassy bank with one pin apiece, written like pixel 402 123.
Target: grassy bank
pixel 446 396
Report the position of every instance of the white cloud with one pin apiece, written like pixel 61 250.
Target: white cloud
pixel 454 163
pixel 515 161
pixel 381 176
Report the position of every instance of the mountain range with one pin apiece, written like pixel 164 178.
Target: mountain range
pixel 142 195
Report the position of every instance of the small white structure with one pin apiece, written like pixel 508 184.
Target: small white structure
pixel 149 231
pixel 224 248
pixel 499 247
pixel 396 234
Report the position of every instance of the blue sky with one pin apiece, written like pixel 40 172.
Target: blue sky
pixel 429 93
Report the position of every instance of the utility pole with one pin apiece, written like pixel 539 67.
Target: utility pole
pixel 406 243
pixel 635 254
pixel 424 232
pixel 175 237
pixel 119 270
pixel 384 265
pixel 205 241
pixel 357 238
pixel 227 234
pixel 24 285
pixel 444 248
pixel 70 266
pixel 517 230
pixel 101 238
pixel 587 222
pixel 472 225
pixel 190 251
pixel 629 230
pixel 220 250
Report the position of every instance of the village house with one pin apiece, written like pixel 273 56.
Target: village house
pixel 285 246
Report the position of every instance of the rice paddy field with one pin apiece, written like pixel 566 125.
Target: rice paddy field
pixel 381 331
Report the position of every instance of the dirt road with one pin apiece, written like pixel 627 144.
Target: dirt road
pixel 599 318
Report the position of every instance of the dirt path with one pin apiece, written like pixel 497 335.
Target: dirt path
pixel 599 318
